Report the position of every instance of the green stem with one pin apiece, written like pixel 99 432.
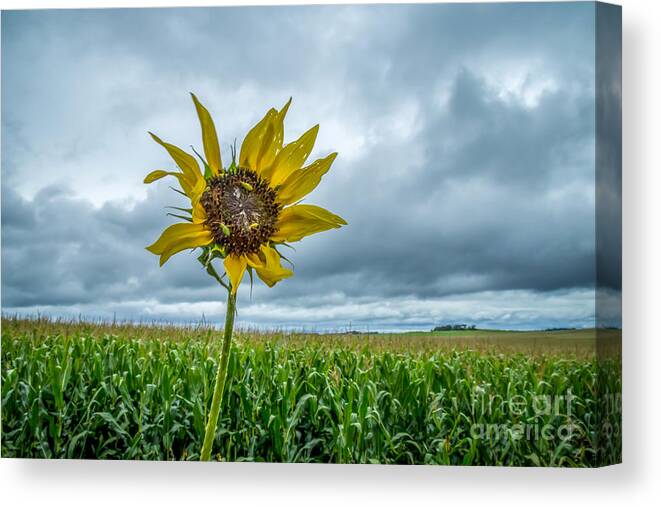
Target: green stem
pixel 221 375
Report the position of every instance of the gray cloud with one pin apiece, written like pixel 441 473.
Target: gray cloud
pixel 466 169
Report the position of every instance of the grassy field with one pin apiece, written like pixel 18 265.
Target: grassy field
pixel 80 390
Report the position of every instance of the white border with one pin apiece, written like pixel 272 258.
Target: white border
pixel 636 482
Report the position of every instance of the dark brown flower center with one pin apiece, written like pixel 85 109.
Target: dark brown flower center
pixel 241 211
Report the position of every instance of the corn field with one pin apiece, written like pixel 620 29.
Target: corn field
pixel 85 391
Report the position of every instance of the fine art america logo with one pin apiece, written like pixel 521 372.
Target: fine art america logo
pixel 537 417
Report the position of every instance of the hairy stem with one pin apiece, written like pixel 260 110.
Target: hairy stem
pixel 221 375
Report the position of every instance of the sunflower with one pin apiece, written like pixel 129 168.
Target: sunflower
pixel 245 212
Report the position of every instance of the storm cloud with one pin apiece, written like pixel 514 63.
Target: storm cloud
pixel 466 165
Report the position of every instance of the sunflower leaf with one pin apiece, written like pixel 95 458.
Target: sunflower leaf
pixel 185 210
pixel 287 245
pixel 233 150
pixel 285 258
pixel 212 271
pixel 203 258
pixel 251 279
pixel 179 192
pixel 207 170
pixel 218 252
pixel 188 219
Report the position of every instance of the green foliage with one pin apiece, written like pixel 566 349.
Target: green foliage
pixel 115 393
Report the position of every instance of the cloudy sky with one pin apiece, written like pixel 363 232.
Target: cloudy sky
pixel 466 162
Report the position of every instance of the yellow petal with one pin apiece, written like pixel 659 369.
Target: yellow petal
pixel 199 214
pixel 186 162
pixel 179 237
pixel 192 189
pixel 156 175
pixel 209 137
pixel 196 192
pixel 235 267
pixel 302 220
pixel 303 181
pixel 292 157
pixel 268 147
pixel 271 277
pixel 254 260
pixel 250 148
pixel 273 139
pixel 272 271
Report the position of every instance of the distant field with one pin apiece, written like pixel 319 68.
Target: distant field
pixel 81 390
pixel 571 343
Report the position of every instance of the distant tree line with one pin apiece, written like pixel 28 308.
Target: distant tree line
pixel 453 327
